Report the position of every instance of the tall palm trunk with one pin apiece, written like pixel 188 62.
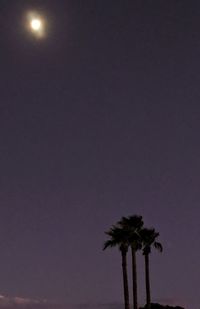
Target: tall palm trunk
pixel 134 278
pixel 147 281
pixel 125 279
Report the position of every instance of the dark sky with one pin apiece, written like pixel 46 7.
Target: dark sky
pixel 98 120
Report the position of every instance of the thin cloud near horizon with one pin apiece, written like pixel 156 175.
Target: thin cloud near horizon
pixel 16 302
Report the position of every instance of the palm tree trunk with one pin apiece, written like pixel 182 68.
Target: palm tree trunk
pixel 134 278
pixel 125 280
pixel 147 280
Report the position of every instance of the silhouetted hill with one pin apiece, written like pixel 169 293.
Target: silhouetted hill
pixel 159 306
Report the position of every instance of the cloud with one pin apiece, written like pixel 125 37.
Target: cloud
pixel 27 303
pixel 13 302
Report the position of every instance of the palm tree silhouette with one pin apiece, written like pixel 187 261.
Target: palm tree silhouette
pixel 118 238
pixel 132 226
pixel 148 240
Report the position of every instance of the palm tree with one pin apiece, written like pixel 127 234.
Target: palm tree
pixel 132 225
pixel 149 237
pixel 118 238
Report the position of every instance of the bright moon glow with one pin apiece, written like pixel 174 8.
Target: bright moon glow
pixel 36 24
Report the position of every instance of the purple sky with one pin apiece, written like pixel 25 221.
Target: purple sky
pixel 100 119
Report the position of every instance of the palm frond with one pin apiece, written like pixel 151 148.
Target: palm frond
pixel 149 236
pixel 109 244
pixel 131 227
pixel 118 237
pixel 131 222
pixel 158 246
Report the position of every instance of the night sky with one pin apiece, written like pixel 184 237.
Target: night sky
pixel 99 119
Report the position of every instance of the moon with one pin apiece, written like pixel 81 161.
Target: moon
pixel 36 24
